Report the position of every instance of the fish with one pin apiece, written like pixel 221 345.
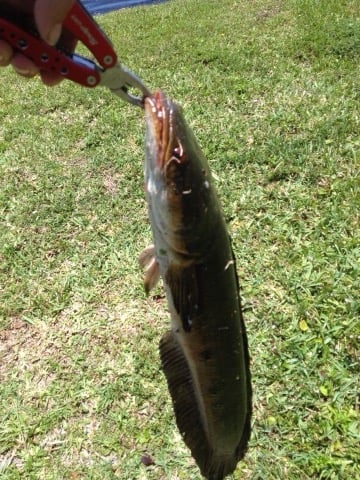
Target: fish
pixel 205 354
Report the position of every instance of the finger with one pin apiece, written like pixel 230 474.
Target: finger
pixel 24 66
pixel 5 53
pixel 50 79
pixel 23 6
pixel 49 15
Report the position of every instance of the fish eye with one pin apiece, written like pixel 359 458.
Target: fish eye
pixel 177 152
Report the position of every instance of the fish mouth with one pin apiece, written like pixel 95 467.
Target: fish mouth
pixel 159 112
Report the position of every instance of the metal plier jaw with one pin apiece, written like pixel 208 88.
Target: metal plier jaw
pixel 79 69
pixel 119 80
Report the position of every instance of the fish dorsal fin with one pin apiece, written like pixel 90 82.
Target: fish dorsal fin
pixel 187 411
pixel 182 282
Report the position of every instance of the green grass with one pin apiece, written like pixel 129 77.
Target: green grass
pixel 271 91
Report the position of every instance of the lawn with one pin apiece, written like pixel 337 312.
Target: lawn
pixel 271 90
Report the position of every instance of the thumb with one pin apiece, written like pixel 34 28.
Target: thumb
pixel 49 15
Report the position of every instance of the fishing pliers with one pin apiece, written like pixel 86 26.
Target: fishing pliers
pixel 82 26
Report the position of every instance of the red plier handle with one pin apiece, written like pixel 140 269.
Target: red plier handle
pixel 80 23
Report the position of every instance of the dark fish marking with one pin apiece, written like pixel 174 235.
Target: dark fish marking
pixel 184 291
pixel 206 355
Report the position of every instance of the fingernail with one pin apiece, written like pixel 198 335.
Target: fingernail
pixel 25 72
pixel 4 61
pixel 5 55
pixel 54 34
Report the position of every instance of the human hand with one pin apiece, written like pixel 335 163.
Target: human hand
pixel 48 16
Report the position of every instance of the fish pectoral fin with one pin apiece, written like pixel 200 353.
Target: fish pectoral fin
pixel 146 256
pixel 183 285
pixel 148 262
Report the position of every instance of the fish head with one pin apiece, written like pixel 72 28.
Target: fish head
pixel 177 177
pixel 167 156
pixel 163 144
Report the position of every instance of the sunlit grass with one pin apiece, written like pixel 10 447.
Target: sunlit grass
pixel 271 91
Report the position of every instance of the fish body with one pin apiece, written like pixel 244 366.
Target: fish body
pixel 205 355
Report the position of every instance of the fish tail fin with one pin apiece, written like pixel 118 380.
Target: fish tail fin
pixel 213 466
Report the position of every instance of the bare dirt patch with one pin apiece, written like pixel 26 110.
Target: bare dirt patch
pixel 16 336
